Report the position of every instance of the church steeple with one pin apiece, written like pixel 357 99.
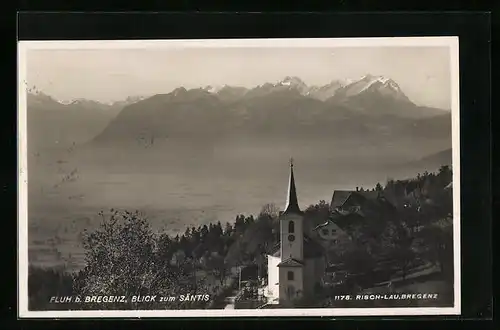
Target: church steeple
pixel 292 205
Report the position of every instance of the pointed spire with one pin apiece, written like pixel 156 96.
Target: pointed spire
pixel 292 205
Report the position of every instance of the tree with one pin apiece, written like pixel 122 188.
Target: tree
pixel 218 229
pixel 444 175
pixel 317 213
pixel 438 240
pixel 379 187
pixel 187 233
pixel 358 261
pixel 228 230
pixel 195 235
pixel 404 255
pixel 203 233
pixel 400 234
pixel 124 257
pixel 120 258
pixel 249 220
pixel 165 248
pixel 219 267
pixel 270 210
pixel 239 223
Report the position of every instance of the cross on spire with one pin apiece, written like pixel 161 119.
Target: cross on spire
pixel 291 161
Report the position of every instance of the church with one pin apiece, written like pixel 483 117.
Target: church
pixel 297 263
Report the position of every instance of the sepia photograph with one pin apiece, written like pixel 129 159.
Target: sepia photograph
pixel 239 177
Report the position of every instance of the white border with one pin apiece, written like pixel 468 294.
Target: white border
pixel 24 46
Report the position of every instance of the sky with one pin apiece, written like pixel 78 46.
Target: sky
pixel 108 75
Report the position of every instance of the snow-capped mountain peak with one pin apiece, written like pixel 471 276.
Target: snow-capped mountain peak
pixel 293 83
pixel 326 91
pixel 386 82
pixel 80 101
pixel 213 89
pixel 370 83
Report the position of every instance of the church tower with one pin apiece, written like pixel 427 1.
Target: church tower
pixel 295 266
pixel 291 224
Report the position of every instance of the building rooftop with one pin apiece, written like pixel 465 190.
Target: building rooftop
pixel 290 262
pixel 341 196
pixel 323 224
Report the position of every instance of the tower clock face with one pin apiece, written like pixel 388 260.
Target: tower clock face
pixel 291 238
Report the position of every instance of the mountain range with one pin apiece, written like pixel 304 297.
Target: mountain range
pixel 371 106
pixel 371 112
pixel 358 94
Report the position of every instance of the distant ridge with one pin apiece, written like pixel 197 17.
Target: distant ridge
pixel 440 158
pixel 434 161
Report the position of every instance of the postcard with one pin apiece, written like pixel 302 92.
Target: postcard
pixel 239 177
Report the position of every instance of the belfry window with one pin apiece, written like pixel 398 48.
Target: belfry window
pixel 291 227
pixel 290 276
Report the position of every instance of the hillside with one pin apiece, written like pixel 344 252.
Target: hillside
pixel 436 160
pixel 181 113
pixel 57 125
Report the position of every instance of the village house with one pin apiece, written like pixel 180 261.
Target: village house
pixel 330 232
pixel 364 203
pixel 333 239
pixel 358 201
pixel 352 209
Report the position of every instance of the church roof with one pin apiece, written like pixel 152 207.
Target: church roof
pixel 290 262
pixel 312 249
pixel 292 204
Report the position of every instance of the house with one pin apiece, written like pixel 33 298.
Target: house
pixel 334 239
pixel 363 203
pixel 330 231
pixel 330 234
pixel 349 201
pixel 297 263
pixel 354 209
